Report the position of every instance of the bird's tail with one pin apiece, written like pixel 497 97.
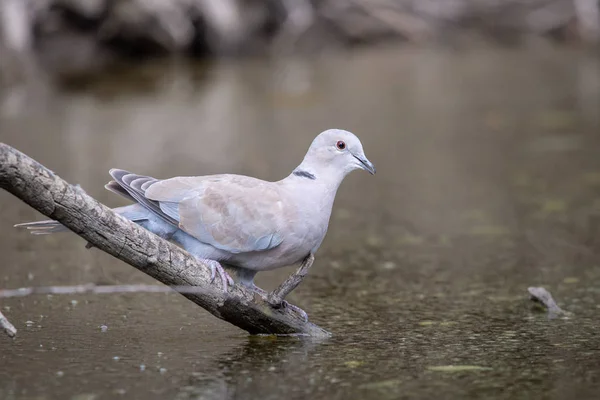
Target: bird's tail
pixel 43 227
pixel 133 212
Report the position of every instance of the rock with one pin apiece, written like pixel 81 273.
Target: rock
pixel 87 9
pixel 165 25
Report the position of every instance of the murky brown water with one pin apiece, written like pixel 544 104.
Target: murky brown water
pixel 488 182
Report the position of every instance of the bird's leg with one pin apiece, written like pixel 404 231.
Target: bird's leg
pixel 215 267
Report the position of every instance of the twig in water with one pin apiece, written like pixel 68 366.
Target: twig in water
pixel 541 295
pixel 9 328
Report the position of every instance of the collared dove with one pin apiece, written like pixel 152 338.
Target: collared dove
pixel 242 222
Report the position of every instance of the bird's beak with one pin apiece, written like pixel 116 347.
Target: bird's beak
pixel 366 164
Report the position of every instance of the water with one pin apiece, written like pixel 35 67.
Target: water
pixel 488 182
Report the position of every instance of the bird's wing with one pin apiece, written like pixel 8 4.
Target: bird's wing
pixel 133 186
pixel 230 212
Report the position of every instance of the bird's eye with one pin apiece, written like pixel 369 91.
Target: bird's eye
pixel 340 145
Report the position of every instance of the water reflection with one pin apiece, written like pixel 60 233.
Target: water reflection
pixel 488 182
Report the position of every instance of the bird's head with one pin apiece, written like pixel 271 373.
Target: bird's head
pixel 337 150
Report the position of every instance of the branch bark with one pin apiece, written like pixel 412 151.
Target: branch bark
pixel 99 225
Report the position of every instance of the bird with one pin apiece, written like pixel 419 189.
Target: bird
pixel 245 223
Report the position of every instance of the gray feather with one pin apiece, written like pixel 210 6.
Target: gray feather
pixel 116 188
pixel 43 227
pixel 147 184
pixel 49 226
pixel 125 179
pixel 171 209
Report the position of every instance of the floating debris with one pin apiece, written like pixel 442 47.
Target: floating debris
pixel 162 370
pixel 142 367
pixel 448 323
pixel 389 265
pixel 60 373
pixel 116 358
pixel 353 364
pixel 553 206
pixel 103 328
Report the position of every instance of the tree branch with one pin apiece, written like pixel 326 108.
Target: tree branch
pixel 164 261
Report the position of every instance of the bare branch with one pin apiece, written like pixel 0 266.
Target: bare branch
pixel 164 261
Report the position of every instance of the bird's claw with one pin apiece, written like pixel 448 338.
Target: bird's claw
pixel 296 309
pixel 281 304
pixel 215 267
pixel 286 304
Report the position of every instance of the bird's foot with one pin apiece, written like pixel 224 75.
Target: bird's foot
pixel 279 304
pixel 294 308
pixel 215 267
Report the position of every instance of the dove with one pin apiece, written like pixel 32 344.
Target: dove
pixel 245 223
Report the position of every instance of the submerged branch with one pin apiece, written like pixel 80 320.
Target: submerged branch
pixel 164 261
pixel 9 328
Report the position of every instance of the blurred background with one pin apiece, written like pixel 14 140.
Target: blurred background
pixel 482 117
